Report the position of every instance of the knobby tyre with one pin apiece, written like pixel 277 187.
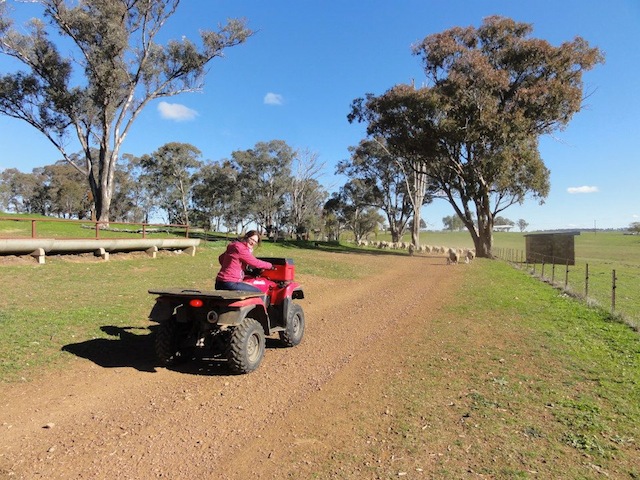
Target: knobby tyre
pixel 246 347
pixel 294 329
pixel 167 342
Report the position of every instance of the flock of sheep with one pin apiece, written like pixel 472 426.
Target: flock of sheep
pixel 454 255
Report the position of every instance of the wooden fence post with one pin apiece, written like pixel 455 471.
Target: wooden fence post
pixel 613 291
pixel 586 281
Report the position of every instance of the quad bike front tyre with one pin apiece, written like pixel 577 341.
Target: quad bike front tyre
pixel 294 329
pixel 246 346
pixel 167 343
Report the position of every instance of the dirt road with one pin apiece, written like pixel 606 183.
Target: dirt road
pixel 113 414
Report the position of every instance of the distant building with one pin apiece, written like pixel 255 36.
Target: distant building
pixel 551 247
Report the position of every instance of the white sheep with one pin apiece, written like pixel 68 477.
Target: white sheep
pixel 453 257
pixel 469 255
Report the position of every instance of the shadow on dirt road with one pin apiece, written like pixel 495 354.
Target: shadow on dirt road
pixel 133 347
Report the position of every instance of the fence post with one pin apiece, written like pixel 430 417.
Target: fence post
pixel 553 270
pixel 542 272
pixel 586 281
pixel 566 276
pixel 613 291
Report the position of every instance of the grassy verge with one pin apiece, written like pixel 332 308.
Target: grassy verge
pixel 598 257
pixel 526 383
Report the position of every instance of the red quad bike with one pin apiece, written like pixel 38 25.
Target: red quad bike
pixel 230 324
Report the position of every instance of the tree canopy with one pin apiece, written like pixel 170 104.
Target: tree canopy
pixel 170 172
pixel 97 92
pixel 490 93
pixel 383 184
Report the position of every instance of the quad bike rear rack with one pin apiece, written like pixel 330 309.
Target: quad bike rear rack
pixel 213 294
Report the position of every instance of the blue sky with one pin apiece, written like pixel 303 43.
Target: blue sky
pixel 295 79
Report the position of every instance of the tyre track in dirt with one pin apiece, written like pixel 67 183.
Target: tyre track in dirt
pixel 93 422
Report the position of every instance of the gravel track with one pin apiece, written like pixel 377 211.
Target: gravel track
pixel 132 420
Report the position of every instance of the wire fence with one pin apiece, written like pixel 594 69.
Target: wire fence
pixel 615 288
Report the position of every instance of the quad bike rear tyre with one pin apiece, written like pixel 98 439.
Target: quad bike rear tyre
pixel 294 330
pixel 246 346
pixel 167 342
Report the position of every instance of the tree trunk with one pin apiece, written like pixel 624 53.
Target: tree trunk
pixel 483 244
pixel 103 206
pixel 415 229
pixel 417 194
pixel 105 183
pixel 395 235
pixel 483 241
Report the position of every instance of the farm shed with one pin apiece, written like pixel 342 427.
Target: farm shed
pixel 552 247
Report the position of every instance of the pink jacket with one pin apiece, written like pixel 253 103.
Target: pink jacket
pixel 235 259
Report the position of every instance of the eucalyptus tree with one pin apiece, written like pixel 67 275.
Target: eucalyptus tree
pixel 452 223
pixel 120 68
pixel 67 194
pixel 306 194
pixel 216 197
pixel 351 211
pixel 19 191
pixel 264 178
pixel 522 224
pixel 171 170
pixel 474 127
pixel 133 200
pixel 384 180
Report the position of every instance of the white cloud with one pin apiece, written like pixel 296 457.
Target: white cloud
pixel 175 111
pixel 273 99
pixel 583 189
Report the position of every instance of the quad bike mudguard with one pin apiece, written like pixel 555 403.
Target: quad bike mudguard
pixel 232 306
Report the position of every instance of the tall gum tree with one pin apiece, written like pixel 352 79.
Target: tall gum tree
pixel 491 92
pixel 119 69
pixel 171 172
pixel 264 179
pixel 384 183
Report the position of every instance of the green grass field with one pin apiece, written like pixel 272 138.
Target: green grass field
pixel 602 251
pixel 600 255
pixel 38 226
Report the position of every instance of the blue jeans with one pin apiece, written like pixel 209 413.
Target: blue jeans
pixel 245 287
